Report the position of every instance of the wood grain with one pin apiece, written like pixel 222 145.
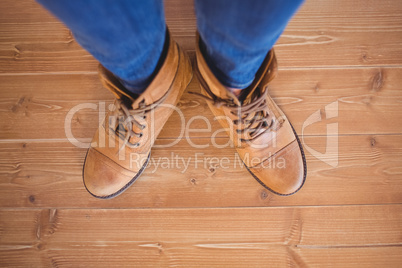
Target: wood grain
pixel 129 255
pixel 49 174
pixel 300 236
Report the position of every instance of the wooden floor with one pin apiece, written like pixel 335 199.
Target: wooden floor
pixel 341 58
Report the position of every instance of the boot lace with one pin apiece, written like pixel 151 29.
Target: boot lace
pixel 254 117
pixel 125 118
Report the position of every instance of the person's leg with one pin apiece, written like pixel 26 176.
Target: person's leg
pixel 235 63
pixel 130 39
pixel 236 35
pixel 126 36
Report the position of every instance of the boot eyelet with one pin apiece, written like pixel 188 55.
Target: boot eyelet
pixel 133 145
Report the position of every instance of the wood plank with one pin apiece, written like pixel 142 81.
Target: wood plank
pixel 31 40
pixel 129 255
pixel 301 236
pixel 49 174
pixel 368 102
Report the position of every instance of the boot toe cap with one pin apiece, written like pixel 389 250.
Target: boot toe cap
pixel 104 178
pixel 284 173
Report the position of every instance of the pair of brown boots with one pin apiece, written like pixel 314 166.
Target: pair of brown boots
pixel 259 130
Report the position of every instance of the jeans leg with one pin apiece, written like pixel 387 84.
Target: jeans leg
pixel 236 35
pixel 126 36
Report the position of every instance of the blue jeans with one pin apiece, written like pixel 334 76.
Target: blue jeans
pixel 128 36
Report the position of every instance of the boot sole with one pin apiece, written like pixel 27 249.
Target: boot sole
pixel 304 167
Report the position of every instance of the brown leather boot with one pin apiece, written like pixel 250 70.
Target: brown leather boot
pixel 121 147
pixel 263 136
